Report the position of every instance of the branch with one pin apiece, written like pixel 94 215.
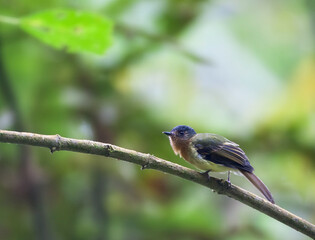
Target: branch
pixel 147 161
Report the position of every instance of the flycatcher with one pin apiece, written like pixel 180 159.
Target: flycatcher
pixel 211 152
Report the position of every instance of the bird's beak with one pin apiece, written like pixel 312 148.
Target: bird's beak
pixel 167 133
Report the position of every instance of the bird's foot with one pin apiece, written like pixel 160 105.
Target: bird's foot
pixel 228 180
pixel 228 183
pixel 206 174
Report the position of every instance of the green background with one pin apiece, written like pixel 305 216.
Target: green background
pixel 242 69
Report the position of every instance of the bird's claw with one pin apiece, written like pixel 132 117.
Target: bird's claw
pixel 206 174
pixel 229 184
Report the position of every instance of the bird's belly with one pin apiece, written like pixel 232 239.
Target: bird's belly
pixel 207 165
pixel 203 164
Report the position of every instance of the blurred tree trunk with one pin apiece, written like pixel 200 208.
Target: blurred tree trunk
pixel 29 175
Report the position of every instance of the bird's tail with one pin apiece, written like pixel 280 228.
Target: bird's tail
pixel 259 185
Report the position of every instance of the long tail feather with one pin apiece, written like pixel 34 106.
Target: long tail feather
pixel 259 185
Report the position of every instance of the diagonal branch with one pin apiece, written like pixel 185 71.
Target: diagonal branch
pixel 147 161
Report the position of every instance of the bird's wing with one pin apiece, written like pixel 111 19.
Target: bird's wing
pixel 220 150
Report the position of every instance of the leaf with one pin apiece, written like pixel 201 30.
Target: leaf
pixel 76 31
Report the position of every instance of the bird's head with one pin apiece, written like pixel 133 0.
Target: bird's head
pixel 181 132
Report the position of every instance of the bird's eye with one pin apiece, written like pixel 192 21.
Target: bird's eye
pixel 181 133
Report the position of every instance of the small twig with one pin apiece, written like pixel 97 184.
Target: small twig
pixel 131 31
pixel 144 160
pixel 57 146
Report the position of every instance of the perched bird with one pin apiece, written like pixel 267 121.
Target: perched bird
pixel 211 152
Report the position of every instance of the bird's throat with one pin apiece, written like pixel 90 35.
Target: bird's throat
pixel 180 147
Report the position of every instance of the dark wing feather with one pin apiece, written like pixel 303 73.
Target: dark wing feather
pixel 222 151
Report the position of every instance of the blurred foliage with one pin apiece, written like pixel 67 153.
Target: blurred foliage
pixel 242 69
pixel 73 30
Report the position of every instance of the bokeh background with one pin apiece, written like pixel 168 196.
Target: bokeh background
pixel 242 69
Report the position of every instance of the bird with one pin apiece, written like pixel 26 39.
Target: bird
pixel 210 152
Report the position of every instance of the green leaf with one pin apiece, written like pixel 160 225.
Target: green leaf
pixel 76 31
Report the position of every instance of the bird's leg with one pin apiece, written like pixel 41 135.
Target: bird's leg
pixel 206 174
pixel 228 179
